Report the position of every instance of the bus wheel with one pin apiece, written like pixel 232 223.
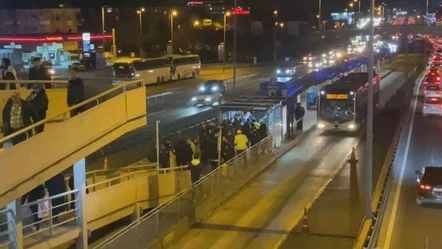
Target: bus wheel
pixel 158 80
pixel 162 79
pixel 179 76
pixel 193 74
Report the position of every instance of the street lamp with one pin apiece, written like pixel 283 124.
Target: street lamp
pixel 359 7
pixel 102 21
pixel 225 46
pixel 140 14
pixel 196 23
pixel 275 13
pixel 171 15
pixel 351 6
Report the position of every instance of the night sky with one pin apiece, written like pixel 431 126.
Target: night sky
pixel 300 9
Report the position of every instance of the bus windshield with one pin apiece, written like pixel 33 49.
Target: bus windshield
pixel 123 69
pixel 337 111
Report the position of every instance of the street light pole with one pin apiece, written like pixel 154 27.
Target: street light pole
pixel 140 13
pixel 319 17
pixel 369 149
pixel 172 14
pixel 102 25
pixel 235 4
pixel 225 45
pixel 274 35
pixel 427 8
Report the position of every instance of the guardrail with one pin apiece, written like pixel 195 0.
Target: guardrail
pixel 206 193
pixel 369 230
pixel 98 99
pixel 47 215
pixel 157 97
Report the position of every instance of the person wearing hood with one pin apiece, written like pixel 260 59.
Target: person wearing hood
pixel 38 99
pixel 75 92
pixel 39 72
pixel 196 169
pixel 8 73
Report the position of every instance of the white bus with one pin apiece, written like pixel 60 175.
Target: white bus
pixel 151 70
pixel 185 66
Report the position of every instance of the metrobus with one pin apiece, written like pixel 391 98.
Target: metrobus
pixel 185 66
pixel 151 70
pixel 343 104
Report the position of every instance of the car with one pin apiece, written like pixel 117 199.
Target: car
pixel 429 189
pixel 432 91
pixel 77 65
pixel 308 58
pixel 286 71
pixel 315 65
pixel 213 86
pixel 207 98
pixel 432 106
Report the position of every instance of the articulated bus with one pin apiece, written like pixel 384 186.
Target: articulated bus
pixel 185 66
pixel 343 104
pixel 152 70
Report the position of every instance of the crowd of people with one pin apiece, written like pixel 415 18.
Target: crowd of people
pixel 19 113
pixel 200 153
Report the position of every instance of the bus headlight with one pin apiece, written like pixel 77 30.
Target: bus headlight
pixel 202 88
pixel 321 125
pixel 351 126
pixel 214 88
pixel 287 71
pixel 278 71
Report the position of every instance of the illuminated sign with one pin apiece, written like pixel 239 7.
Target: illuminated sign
pixel 193 3
pixel 54 38
pixel 86 36
pixel 240 11
pixel 336 96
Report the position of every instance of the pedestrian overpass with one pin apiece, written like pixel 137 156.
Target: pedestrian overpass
pixel 64 144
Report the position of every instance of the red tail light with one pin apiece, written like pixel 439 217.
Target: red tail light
pixel 425 187
pixel 433 99
pixel 438 78
pixel 425 106
pixel 439 92
pixel 425 82
pixel 425 92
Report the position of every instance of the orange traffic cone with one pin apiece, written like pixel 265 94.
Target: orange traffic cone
pixel 305 228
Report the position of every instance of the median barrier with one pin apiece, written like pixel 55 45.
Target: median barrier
pixel 370 228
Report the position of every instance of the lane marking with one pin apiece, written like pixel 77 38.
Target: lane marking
pixel 392 219
pixel 155 113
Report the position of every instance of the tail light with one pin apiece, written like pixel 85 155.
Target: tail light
pixel 439 92
pixel 425 82
pixel 425 187
pixel 438 78
pixel 425 92
pixel 425 106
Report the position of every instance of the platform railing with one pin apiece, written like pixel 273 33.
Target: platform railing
pixel 96 100
pixel 197 202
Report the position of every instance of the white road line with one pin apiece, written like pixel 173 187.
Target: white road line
pixel 154 113
pixel 392 219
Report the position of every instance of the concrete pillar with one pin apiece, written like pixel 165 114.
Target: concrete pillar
pixel 80 184
pixel 15 225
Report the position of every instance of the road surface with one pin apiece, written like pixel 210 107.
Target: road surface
pixel 407 225
pixel 261 213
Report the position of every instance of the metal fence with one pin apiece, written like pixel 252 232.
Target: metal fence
pixel 195 203
pixel 41 218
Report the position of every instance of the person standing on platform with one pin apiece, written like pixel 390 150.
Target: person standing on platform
pixel 8 73
pixel 38 99
pixel 17 115
pixel 75 92
pixel 241 142
pixel 39 72
pixel 195 167
pixel 299 116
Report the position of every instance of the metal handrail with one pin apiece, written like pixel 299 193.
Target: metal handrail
pixel 93 99
pixel 128 175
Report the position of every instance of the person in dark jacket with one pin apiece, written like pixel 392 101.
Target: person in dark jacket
pixel 34 195
pixel 39 72
pixel 227 150
pixel 38 99
pixel 17 114
pixel 164 157
pixel 56 185
pixel 196 169
pixel 183 152
pixel 75 91
pixel 8 73
pixel 299 116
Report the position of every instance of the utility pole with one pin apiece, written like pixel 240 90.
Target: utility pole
pixel 158 145
pixel 319 17
pixel 235 4
pixel 102 26
pixel 369 149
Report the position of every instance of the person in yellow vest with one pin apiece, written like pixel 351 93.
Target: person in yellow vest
pixel 241 141
pixel 195 168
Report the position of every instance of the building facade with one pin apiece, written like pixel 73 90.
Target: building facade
pixel 39 21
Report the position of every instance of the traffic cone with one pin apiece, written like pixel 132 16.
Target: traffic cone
pixel 305 228
pixel 105 163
